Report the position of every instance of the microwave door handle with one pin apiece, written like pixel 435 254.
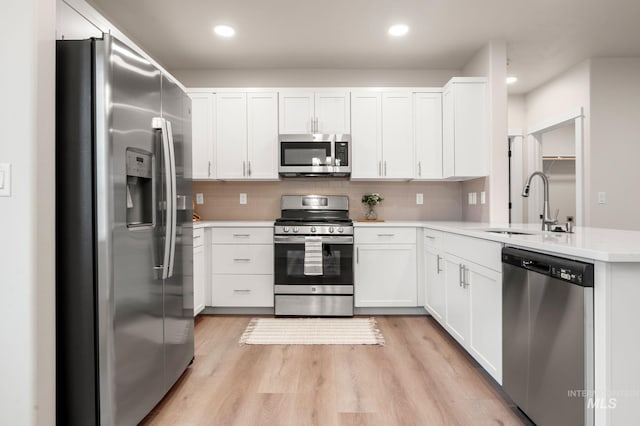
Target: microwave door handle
pixel 159 123
pixel 174 195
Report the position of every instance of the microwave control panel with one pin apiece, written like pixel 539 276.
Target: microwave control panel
pixel 342 153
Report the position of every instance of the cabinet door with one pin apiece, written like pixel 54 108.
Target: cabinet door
pixel 465 146
pixel 366 135
pixel 485 337
pixel 427 121
pixel 262 136
pixel 231 136
pixel 434 284
pixel 332 112
pixel 199 274
pixel 202 116
pixel 448 152
pixel 456 300
pixel 385 276
pixel 296 112
pixel 397 136
pixel 471 151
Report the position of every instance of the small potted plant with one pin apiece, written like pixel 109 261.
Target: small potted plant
pixel 371 200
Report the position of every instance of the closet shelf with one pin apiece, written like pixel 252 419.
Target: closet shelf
pixel 559 157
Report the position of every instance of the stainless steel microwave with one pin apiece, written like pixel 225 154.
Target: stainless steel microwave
pixel 315 155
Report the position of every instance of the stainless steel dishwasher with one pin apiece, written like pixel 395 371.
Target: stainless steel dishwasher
pixel 547 336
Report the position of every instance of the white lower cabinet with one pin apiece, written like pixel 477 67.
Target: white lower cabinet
pixel 463 292
pixel 199 271
pixel 434 291
pixel 242 267
pixel 385 267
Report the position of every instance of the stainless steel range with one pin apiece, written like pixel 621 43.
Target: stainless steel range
pixel 313 243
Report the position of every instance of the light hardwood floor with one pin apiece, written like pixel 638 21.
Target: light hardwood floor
pixel 420 377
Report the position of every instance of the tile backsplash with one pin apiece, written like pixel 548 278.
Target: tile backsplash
pixel 442 200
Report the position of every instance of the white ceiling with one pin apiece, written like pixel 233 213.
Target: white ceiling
pixel 544 37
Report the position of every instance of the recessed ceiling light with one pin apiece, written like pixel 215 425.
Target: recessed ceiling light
pixel 224 31
pixel 512 79
pixel 398 30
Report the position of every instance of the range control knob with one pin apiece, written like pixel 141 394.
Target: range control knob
pixel 313 229
pixel 331 229
pixel 285 229
pixel 295 229
pixel 340 229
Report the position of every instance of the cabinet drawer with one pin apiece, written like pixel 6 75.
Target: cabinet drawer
pixel 242 290
pixel 242 259
pixel 482 252
pixel 198 237
pixel 242 235
pixel 433 238
pixel 386 235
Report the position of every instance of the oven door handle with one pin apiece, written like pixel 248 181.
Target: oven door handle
pixel 299 239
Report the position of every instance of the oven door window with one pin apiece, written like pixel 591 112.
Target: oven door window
pixel 337 265
pixel 305 153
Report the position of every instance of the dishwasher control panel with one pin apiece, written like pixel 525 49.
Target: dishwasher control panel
pixel 568 270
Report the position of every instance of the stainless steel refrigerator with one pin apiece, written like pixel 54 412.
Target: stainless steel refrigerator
pixel 124 244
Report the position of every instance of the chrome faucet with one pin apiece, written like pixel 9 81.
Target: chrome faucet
pixel 547 222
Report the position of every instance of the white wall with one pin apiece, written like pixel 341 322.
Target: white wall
pixel 516 112
pixel 27 322
pixel 552 101
pixel 615 142
pixel 314 77
pixel 491 62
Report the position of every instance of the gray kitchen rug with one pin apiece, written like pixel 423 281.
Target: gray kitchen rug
pixel 312 331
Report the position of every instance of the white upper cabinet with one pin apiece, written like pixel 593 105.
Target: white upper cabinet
pixel 202 108
pixel 246 136
pixel 262 137
pixel 231 135
pixel 465 144
pixel 366 135
pixel 427 113
pixel 314 112
pixel 397 135
pixel 382 135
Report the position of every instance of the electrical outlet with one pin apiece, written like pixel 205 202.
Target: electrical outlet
pixel 419 198
pixel 199 198
pixel 602 198
pixel 483 197
pixel 5 180
pixel 473 198
pixel 243 198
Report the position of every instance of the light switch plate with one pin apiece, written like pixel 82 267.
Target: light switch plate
pixel 419 198
pixel 602 198
pixel 199 198
pixel 5 180
pixel 243 198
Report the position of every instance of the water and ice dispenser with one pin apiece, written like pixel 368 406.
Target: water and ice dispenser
pixel 140 201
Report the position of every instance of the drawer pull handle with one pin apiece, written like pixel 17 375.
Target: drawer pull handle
pixel 242 260
pixel 196 236
pixel 431 237
pixel 241 235
pixel 386 235
pixel 241 290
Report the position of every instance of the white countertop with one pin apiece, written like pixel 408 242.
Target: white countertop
pixel 608 245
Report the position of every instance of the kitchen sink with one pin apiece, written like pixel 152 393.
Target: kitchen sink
pixel 509 231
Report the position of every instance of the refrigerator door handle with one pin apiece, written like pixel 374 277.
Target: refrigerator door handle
pixel 159 123
pixel 174 197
